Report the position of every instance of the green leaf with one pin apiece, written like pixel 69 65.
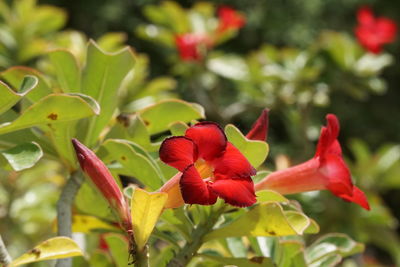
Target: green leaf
pixel 9 98
pixel 15 77
pixel 255 151
pixel 102 78
pixel 62 133
pixel 51 109
pixel 160 116
pixel 53 248
pixel 178 128
pixel 67 70
pixel 132 128
pixel 134 162
pixel 90 201
pixel 119 249
pixel 146 208
pixel 269 195
pixel 291 254
pixel 332 244
pixel 252 262
pixel 266 219
pixel 23 156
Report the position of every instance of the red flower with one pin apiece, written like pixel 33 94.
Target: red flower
pixel 259 130
pixel 326 170
pixel 229 19
pixel 104 181
pixel 211 167
pixel 191 46
pixel 373 32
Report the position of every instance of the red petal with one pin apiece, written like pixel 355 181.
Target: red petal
pixel 386 30
pixel 338 175
pixel 365 16
pixel 327 140
pixel 194 190
pixel 232 164
pixel 178 152
pixel 209 138
pixel 237 192
pixel 357 197
pixel 259 130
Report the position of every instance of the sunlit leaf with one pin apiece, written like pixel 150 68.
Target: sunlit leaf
pixel 86 224
pixel 266 219
pixel 102 78
pixel 269 195
pixel 134 162
pixel 53 248
pixel 15 78
pixel 67 70
pixel 145 209
pixel 158 117
pixel 255 151
pixel 9 97
pixel 51 109
pixel 23 156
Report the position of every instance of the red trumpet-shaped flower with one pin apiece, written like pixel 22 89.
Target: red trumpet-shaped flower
pixel 259 130
pixel 229 19
pixel 104 181
pixel 373 32
pixel 211 167
pixel 192 46
pixel 326 170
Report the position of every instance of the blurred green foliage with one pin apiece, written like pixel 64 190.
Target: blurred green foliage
pixel 298 58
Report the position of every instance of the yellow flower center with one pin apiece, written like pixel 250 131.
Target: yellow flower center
pixel 205 170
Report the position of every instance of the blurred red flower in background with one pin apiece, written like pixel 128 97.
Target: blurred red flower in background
pixel 211 167
pixel 326 170
pixel 192 46
pixel 229 19
pixel 373 32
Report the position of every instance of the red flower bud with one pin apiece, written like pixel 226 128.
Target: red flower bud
pixel 259 130
pixel 104 181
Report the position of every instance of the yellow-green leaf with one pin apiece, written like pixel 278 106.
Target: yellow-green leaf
pixel 51 109
pixel 53 248
pixel 266 219
pixel 161 115
pixel 269 195
pixel 86 224
pixel 145 209
pixel 9 97
pixel 255 151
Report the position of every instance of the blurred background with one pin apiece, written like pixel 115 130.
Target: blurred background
pixel 301 59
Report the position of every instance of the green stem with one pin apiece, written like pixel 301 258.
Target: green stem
pixel 189 250
pixel 142 258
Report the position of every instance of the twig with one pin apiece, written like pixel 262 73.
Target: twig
pixel 5 258
pixel 189 250
pixel 64 213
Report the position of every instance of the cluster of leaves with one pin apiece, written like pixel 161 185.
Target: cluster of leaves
pixel 108 101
